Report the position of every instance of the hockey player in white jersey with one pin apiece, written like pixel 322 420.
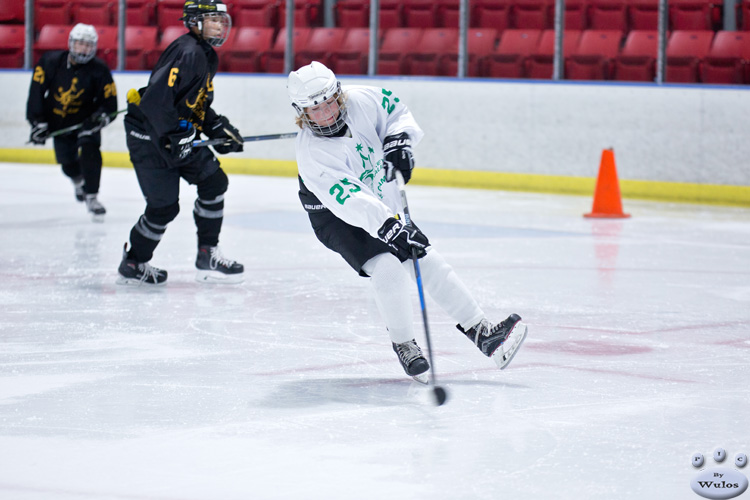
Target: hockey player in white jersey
pixel 352 139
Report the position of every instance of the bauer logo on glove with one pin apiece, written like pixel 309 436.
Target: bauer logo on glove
pixel 397 154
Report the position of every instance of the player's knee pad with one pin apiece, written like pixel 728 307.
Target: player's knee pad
pixel 90 154
pixel 161 216
pixel 71 169
pixel 213 186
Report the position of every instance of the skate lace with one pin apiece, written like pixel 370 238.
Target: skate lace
pixel 408 352
pixel 148 272
pixel 483 329
pixel 218 259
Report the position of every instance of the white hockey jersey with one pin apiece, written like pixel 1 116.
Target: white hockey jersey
pixel 346 173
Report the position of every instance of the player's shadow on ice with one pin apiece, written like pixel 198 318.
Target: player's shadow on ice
pixel 364 391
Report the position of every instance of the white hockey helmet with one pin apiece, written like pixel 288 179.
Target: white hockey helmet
pixel 315 86
pixel 82 43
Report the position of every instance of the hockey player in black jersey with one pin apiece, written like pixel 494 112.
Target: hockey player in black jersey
pixel 163 120
pixel 69 88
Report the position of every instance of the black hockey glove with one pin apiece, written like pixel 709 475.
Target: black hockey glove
pixel 222 129
pixel 95 123
pixel 402 238
pixel 180 144
pixel 39 133
pixel 397 153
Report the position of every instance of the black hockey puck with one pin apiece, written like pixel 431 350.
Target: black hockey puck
pixel 440 395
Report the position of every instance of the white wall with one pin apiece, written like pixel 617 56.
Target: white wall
pixel 669 133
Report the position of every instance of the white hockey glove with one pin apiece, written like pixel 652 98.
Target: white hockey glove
pixel 39 133
pixel 402 238
pixel 397 153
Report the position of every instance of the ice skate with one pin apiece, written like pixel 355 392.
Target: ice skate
pixel 213 267
pixel 499 342
pixel 95 208
pixel 139 273
pixel 78 183
pixel 412 360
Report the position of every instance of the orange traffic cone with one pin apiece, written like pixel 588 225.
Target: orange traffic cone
pixel 607 202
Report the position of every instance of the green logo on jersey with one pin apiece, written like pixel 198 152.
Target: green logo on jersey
pixel 387 101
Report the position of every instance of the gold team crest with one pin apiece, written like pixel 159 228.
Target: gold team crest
pixel 69 100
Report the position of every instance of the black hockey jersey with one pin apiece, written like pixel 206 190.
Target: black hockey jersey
pixel 180 88
pixel 64 94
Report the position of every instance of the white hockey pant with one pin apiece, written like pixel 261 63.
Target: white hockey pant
pixel 393 292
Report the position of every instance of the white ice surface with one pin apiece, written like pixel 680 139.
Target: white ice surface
pixel 286 387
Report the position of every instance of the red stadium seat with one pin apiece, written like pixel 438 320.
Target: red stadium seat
pixel 743 14
pixel 169 35
pixel 448 13
pixel 608 15
pixel 643 15
pixel 12 40
pixel 685 50
pixel 272 60
pixel 540 63
pixel 356 14
pixel 727 59
pixel 434 44
pixel 397 42
pixel 12 11
pixel 509 58
pixel 532 14
pixel 107 45
pixel 139 40
pixel 139 12
pixel 493 14
pixel 56 12
pixel 391 14
pixel 691 14
pixel 576 14
pixel 352 56
pixel 352 13
pixel 320 45
pixel 255 13
pixel 480 44
pixel 96 12
pixel 637 60
pixel 420 14
pixel 51 37
pixel 594 57
pixel 307 13
pixel 248 44
pixel 168 13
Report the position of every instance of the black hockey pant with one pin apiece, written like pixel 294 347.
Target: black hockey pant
pixel 160 184
pixel 81 157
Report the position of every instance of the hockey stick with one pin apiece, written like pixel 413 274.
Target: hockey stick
pixel 439 392
pixel 252 138
pixel 76 127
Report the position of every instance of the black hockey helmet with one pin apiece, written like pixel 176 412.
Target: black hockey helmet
pixel 196 12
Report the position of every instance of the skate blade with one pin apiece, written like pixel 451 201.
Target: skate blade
pixel 422 378
pixel 98 218
pixel 219 278
pixel 136 282
pixel 502 359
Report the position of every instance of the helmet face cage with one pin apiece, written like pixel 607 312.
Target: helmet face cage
pixel 82 43
pixel 327 118
pixel 199 13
